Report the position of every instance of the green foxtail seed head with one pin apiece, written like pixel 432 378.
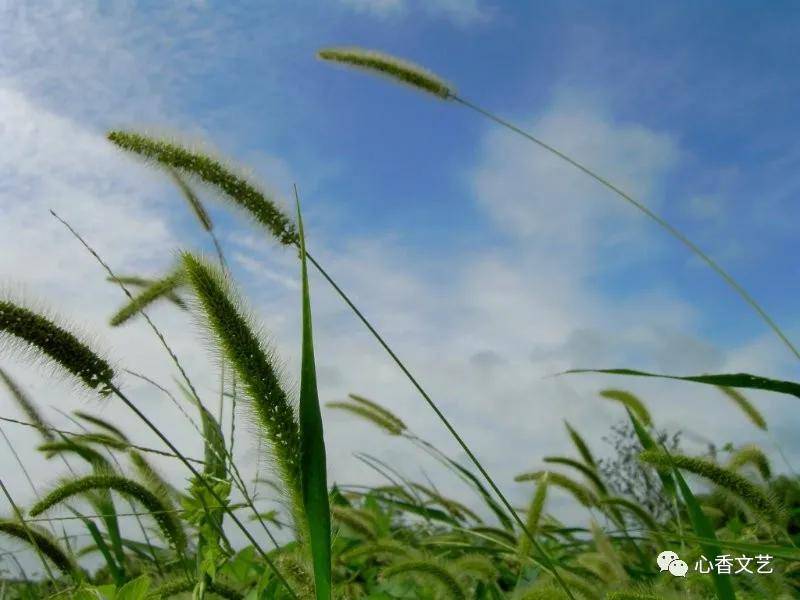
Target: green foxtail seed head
pixel 46 544
pixel 102 424
pixel 744 404
pixel 143 282
pixel 43 336
pixel 384 412
pixel 589 473
pixel 172 588
pixel 581 446
pixel 236 337
pixel 581 493
pixel 235 188
pixel 751 455
pixel 160 288
pixel 389 66
pixel 632 402
pixel 27 406
pixel 748 492
pixel 357 521
pixel 98 462
pixel 431 570
pixel 160 510
pixel 533 515
pixel 373 417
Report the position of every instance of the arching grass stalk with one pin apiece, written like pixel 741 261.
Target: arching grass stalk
pixel 663 223
pixel 418 77
pixel 240 483
pixel 245 196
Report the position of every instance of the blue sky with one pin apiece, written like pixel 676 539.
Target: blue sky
pixel 485 262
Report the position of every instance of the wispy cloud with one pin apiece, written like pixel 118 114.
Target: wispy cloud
pixel 458 12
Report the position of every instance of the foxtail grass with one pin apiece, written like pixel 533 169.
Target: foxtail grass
pixel 128 488
pixel 581 446
pixel 397 69
pixel 633 403
pixel 750 411
pixel 235 188
pixel 160 288
pixel 534 513
pixel 234 333
pixel 43 542
pixel 748 492
pixel 388 66
pixel 45 338
pixel 579 491
pixel 450 588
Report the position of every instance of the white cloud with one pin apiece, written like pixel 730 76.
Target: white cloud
pixel 459 12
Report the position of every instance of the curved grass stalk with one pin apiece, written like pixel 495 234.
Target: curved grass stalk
pixel 126 487
pixel 77 435
pixel 752 413
pixel 416 76
pixel 55 350
pixel 586 471
pixel 43 543
pixel 751 455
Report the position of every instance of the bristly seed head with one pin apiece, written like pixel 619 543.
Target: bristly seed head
pixel 234 187
pixel 389 66
pixel 57 343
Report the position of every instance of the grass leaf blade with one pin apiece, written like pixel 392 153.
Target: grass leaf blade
pixel 313 466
